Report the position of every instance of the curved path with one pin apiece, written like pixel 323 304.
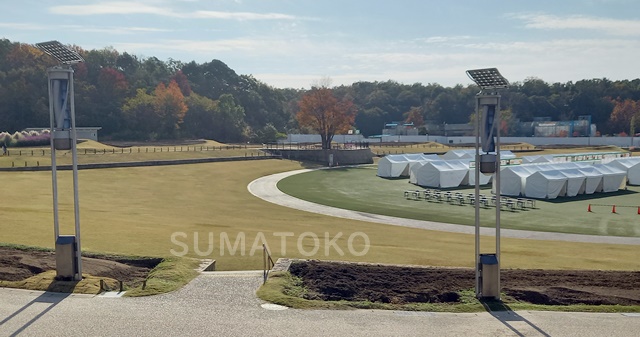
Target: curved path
pixel 266 189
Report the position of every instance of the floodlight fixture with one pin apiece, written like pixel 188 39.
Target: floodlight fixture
pixel 488 78
pixel 60 52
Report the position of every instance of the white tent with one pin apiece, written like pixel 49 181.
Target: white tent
pixel 484 178
pixel 557 166
pixel 459 154
pixel 613 178
pixel 513 179
pixel 576 182
pixel 631 165
pixel 470 154
pixel 442 174
pixel 393 166
pixel 545 185
pixel 537 159
pixel 413 171
pixel 593 180
pixel 398 165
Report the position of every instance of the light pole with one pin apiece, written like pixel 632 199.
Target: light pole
pixel 63 137
pixel 488 102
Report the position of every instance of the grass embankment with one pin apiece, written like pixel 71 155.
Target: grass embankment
pixel 285 289
pixel 169 275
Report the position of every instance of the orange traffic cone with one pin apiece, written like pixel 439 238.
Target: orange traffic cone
pixel 613 210
pixel 589 208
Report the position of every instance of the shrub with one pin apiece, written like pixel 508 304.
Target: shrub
pixel 25 138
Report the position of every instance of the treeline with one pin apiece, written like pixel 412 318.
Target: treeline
pixel 146 98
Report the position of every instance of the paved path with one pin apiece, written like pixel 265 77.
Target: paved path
pixel 266 189
pixel 224 304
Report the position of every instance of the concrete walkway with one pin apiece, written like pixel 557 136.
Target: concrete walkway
pixel 224 304
pixel 266 188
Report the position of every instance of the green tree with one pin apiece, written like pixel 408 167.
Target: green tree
pixel 200 119
pixel 229 119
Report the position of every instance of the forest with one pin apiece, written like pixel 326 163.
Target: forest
pixel 144 98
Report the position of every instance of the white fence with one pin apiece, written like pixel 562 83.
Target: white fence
pixel 585 141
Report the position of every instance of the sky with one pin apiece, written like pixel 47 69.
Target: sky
pixel 298 43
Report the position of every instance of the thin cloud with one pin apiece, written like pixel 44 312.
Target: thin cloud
pixel 78 28
pixel 106 8
pixel 112 8
pixel 241 15
pixel 606 25
pixel 114 29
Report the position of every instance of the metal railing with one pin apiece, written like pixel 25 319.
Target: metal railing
pixel 267 263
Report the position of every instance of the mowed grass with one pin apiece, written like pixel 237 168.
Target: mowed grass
pixel 361 190
pixel 136 211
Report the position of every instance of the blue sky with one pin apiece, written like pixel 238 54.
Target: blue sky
pixel 294 43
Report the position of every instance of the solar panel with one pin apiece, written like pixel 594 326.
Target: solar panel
pixel 488 78
pixel 60 52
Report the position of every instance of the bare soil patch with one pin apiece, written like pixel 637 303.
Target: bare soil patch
pixel 331 281
pixel 17 264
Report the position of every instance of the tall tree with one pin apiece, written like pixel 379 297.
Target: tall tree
pixel 201 117
pixel 414 115
pixel 623 115
pixel 169 104
pixel 322 112
pixel 230 123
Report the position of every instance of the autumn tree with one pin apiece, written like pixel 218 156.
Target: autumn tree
pixel 170 106
pixel 322 112
pixel 414 115
pixel 623 114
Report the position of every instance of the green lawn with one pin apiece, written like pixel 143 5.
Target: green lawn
pixel 361 190
pixel 135 211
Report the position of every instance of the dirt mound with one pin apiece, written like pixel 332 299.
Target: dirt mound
pixel 17 265
pixel 399 284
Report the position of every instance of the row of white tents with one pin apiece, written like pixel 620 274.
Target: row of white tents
pixel 543 180
pixel 399 165
pixel 549 181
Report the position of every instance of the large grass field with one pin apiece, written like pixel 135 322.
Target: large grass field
pixel 361 190
pixel 135 211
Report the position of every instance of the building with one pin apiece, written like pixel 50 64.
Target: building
pixel 400 129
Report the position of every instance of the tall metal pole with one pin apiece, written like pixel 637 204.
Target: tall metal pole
pixel 498 190
pixel 54 173
pixel 477 197
pixel 76 198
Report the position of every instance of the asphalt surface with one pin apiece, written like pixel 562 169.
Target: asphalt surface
pixel 224 304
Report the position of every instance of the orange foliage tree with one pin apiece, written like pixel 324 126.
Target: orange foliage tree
pixel 414 115
pixel 623 113
pixel 170 106
pixel 322 112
